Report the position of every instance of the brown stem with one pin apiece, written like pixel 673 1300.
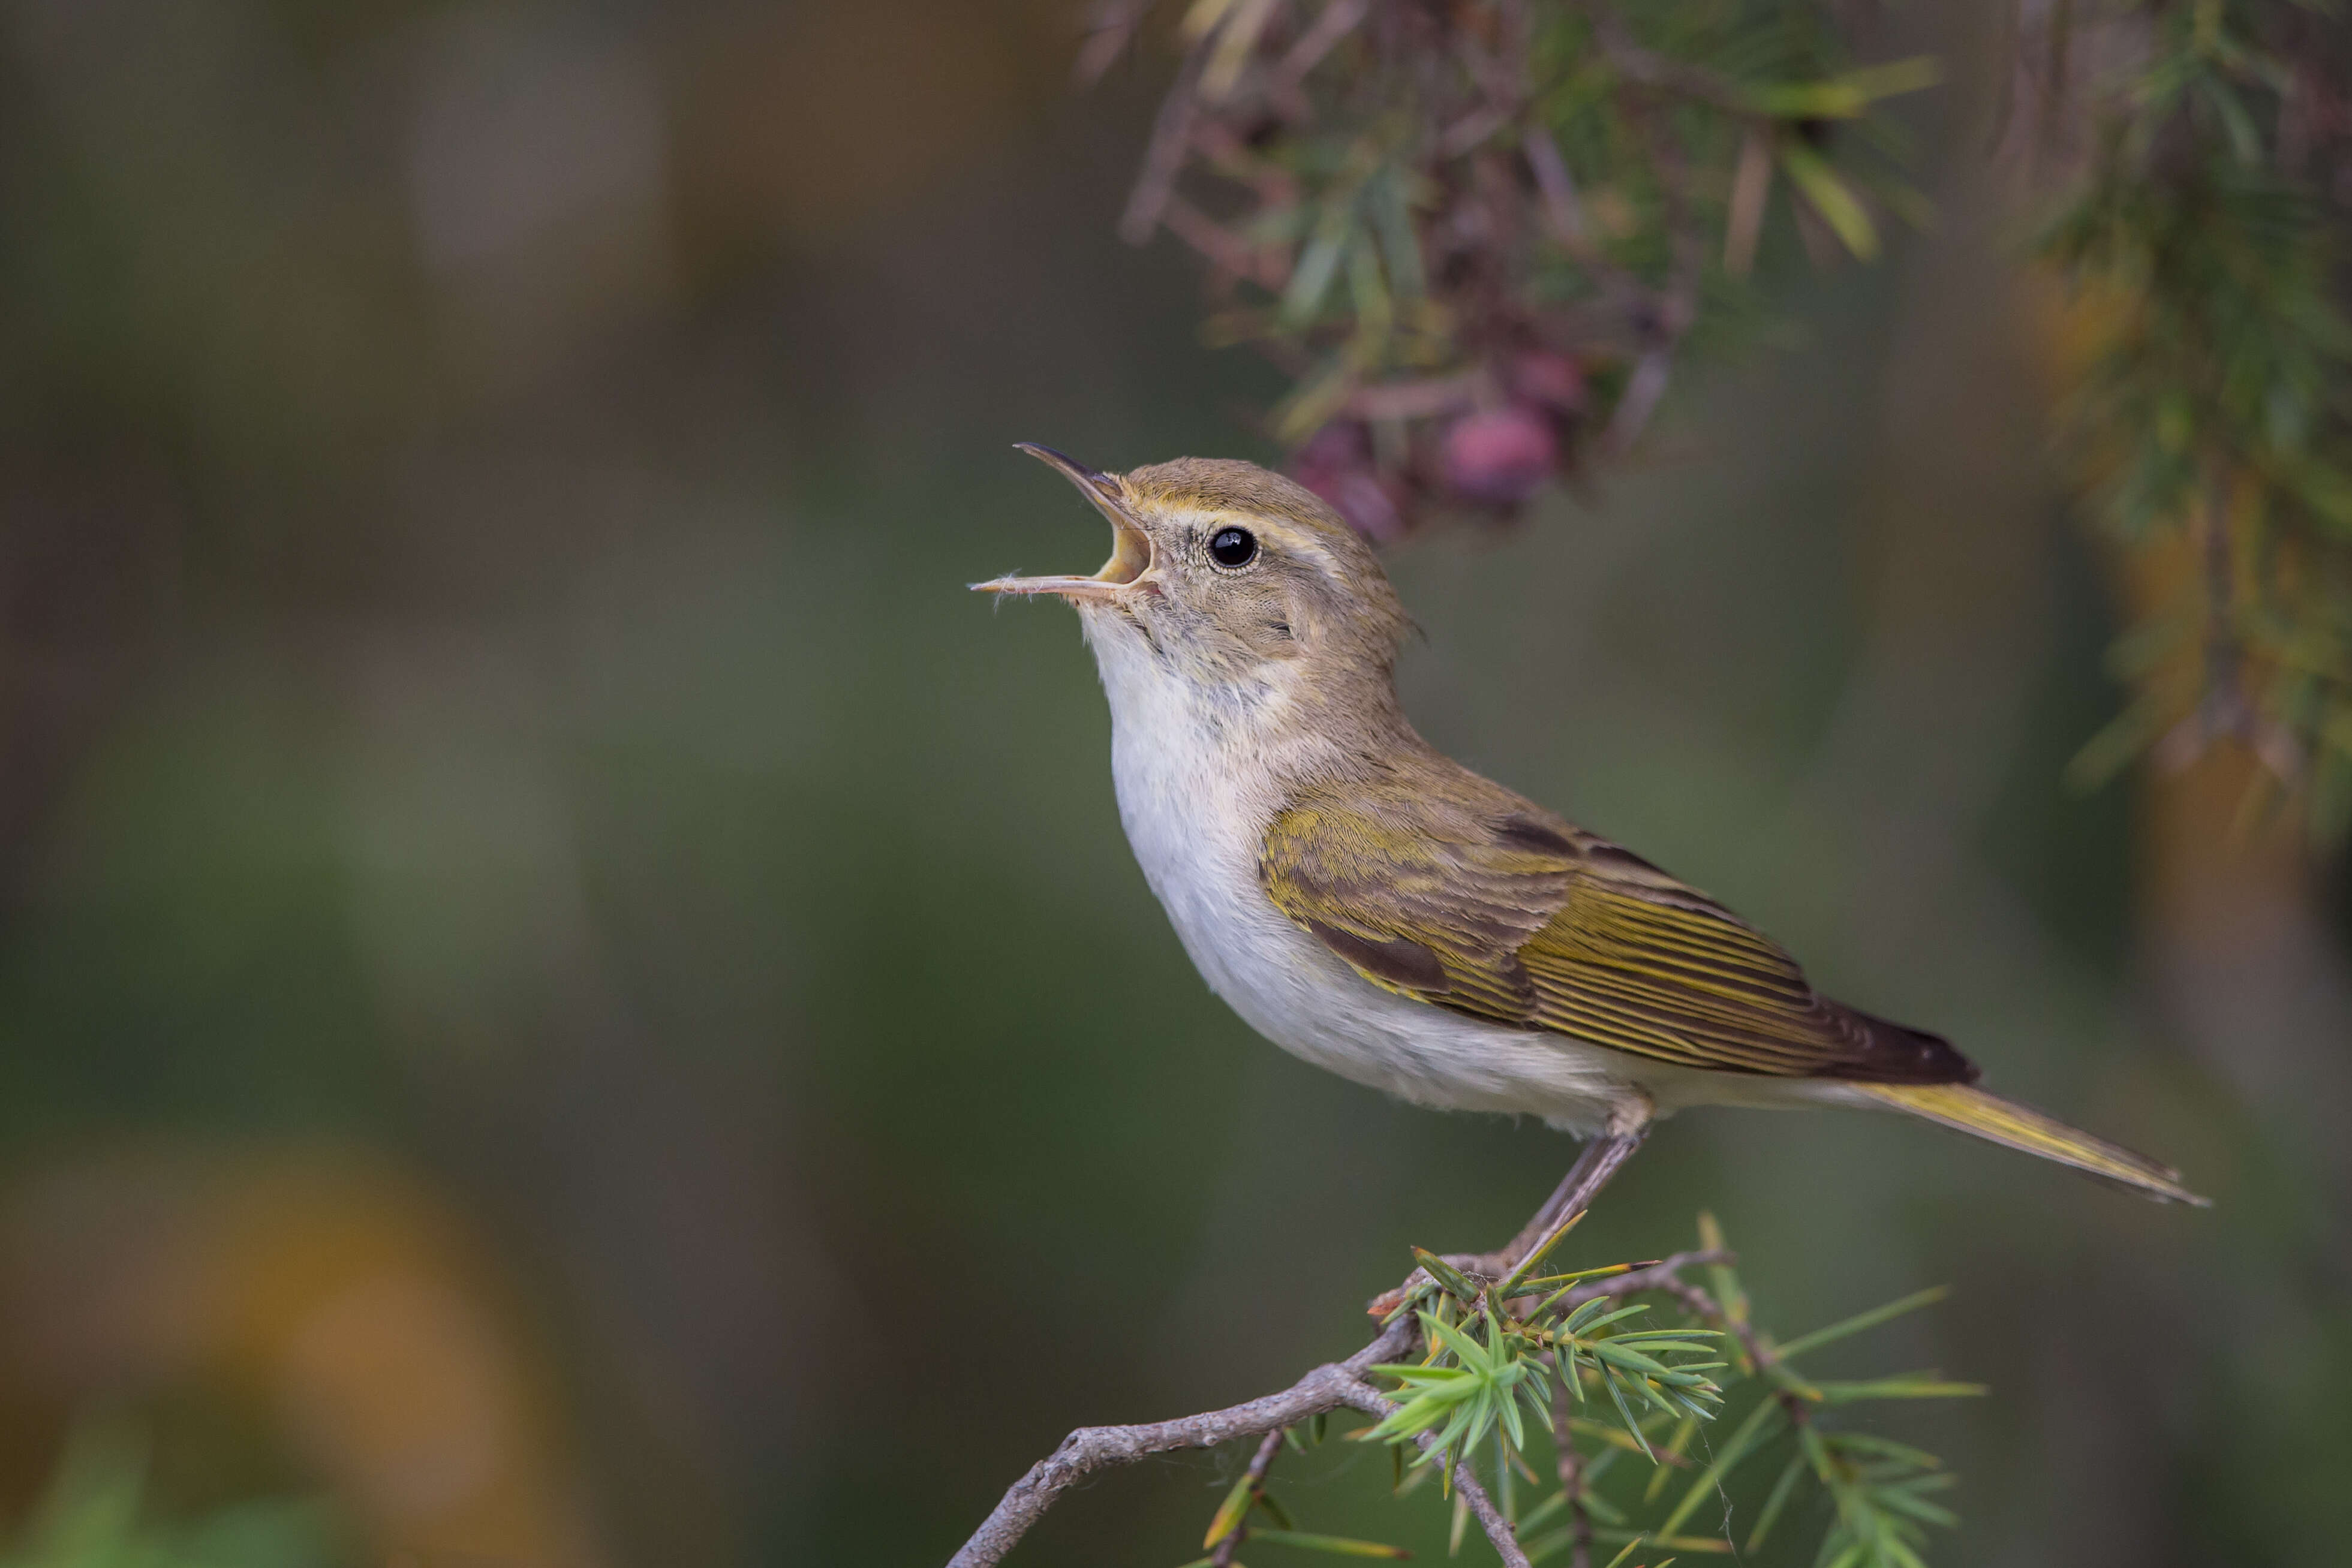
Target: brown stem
pixel 1329 1387
pixel 1090 1449
pixel 1599 1160
pixel 1337 1385
pixel 1260 1462
pixel 1110 27
pixel 1563 209
pixel 1701 1305
pixel 1224 249
pixel 1333 23
pixel 1571 1467
pixel 1332 1386
pixel 1500 1532
pixel 1172 138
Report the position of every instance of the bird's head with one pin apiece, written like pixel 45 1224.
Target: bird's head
pixel 1223 575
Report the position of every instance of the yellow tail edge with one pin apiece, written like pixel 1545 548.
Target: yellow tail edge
pixel 2015 1126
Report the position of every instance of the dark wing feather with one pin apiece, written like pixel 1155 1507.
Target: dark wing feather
pixel 1458 893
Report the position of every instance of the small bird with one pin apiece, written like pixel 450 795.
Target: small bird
pixel 1378 909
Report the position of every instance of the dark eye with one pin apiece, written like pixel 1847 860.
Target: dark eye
pixel 1233 546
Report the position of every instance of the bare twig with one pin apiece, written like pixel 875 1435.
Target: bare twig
pixel 1500 1533
pixel 1600 1159
pixel 1260 1462
pixel 1163 159
pixel 1335 1386
pixel 1335 22
pixel 1563 209
pixel 1110 27
pixel 1701 1305
pixel 1332 1386
pixel 1761 1357
pixel 1225 250
pixel 1642 389
pixel 1571 1470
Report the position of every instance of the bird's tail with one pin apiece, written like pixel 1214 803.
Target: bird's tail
pixel 2016 1127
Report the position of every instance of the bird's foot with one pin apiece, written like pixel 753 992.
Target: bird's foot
pixel 1594 1165
pixel 1481 1267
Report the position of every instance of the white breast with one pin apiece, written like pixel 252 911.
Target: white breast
pixel 1196 791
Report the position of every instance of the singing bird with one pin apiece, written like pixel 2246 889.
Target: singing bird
pixel 1378 909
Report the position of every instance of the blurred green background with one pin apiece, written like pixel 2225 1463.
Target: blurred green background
pixel 566 987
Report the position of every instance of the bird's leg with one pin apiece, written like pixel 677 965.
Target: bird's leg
pixel 1599 1160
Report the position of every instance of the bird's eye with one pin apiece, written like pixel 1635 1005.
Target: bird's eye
pixel 1233 546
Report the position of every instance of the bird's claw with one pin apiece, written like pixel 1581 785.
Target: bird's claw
pixel 1482 1266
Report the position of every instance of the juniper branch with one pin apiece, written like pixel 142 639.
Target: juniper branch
pixel 1571 1470
pixel 1260 1462
pixel 1334 1385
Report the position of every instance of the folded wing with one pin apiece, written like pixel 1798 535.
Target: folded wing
pixel 1458 893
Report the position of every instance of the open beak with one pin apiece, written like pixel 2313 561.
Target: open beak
pixel 1130 549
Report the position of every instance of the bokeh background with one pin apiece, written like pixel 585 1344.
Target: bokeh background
pixel 566 990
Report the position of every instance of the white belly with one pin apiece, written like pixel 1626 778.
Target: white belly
pixel 1195 813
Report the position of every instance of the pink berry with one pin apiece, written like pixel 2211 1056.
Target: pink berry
pixel 1500 457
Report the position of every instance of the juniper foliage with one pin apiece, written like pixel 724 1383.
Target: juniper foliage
pixel 1481 237
pixel 2205 154
pixel 1477 236
pixel 1629 1432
